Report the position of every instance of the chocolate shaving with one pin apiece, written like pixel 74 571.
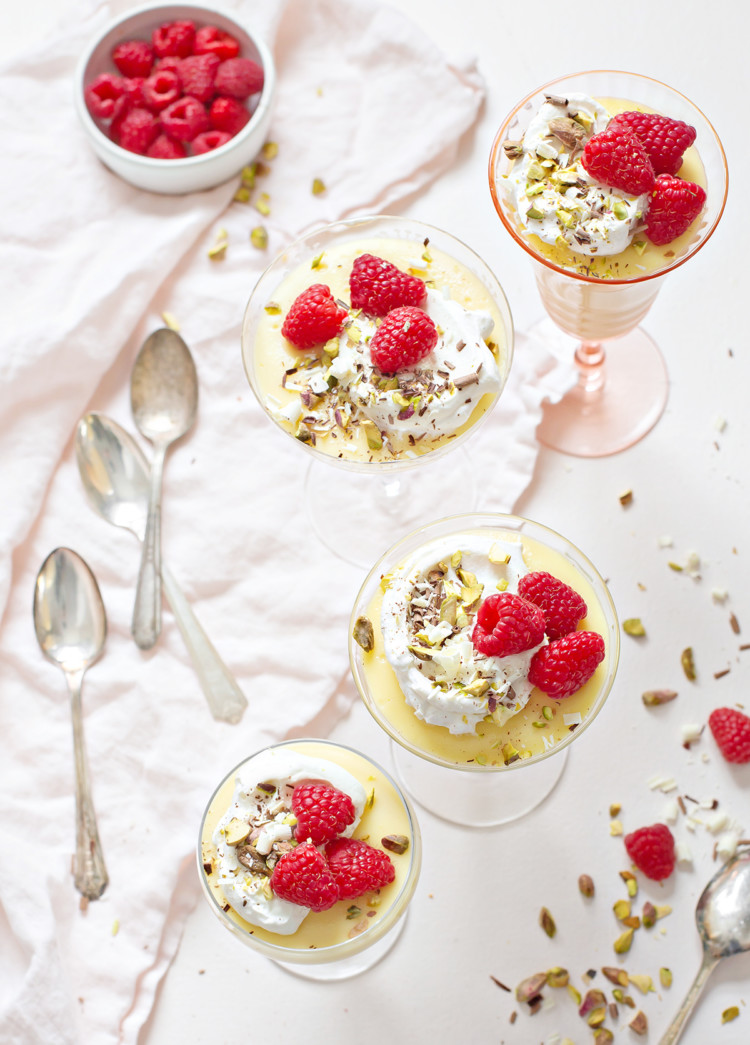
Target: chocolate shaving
pixel 469 379
pixel 721 674
pixel 499 983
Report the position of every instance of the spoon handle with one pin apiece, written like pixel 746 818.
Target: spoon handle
pixel 676 1027
pixel 90 876
pixel 147 610
pixel 225 698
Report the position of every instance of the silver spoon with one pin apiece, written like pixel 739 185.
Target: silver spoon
pixel 114 473
pixel 71 627
pixel 723 919
pixel 164 400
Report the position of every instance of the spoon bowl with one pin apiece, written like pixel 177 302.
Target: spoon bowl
pixel 114 472
pixel 71 628
pixel 722 915
pixel 164 400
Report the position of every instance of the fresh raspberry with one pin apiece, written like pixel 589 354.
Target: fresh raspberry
pixel 161 90
pixel 562 607
pixel 165 148
pixel 227 114
pixel 664 139
pixel 185 119
pixel 652 851
pixel 673 207
pixel 507 624
pixel 564 665
pixel 197 73
pixel 173 38
pixel 239 78
pixel 314 318
pixel 171 62
pixel 208 141
pixel 210 40
pixel 133 58
pixel 617 159
pixel 136 130
pixel 302 876
pixel 357 867
pixel 322 811
pixel 132 90
pixel 377 286
pixel 101 94
pixel 731 730
pixel 405 336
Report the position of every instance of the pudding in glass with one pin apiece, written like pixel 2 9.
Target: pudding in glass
pixel 431 661
pixel 253 830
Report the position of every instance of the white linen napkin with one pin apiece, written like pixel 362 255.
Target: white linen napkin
pixel 90 266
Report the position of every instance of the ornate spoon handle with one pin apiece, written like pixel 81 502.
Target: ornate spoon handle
pixel 91 876
pixel 147 610
pixel 676 1027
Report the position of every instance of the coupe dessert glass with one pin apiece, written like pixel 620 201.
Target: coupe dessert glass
pixel 622 383
pixel 503 769
pixel 353 935
pixel 365 477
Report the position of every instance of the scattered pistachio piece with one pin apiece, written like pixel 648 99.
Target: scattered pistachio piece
pixel 558 977
pixel 665 976
pixel 259 237
pixel 513 149
pixel 730 1014
pixel 236 831
pixel 649 914
pixel 662 910
pixel 620 211
pixel 653 697
pixel 623 942
pixel 170 321
pixel 643 982
pixel 272 309
pixel 615 975
pixel 242 195
pixel 363 634
pixel 688 663
pixel 633 626
pixel 615 828
pixel 603 1036
pixel 639 1023
pixel 615 808
pixel 593 1001
pixel 621 909
pixel 586 885
pixel 248 175
pixel 115 926
pixel 370 800
pixel 270 150
pixel 353 912
pixel 219 249
pixel 548 713
pixel 631 883
pixel 262 204
pixel 574 993
pixel 318 186
pixel 531 986
pixel 547 922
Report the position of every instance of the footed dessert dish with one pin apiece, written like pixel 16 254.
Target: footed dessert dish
pixel 608 181
pixel 310 853
pixel 483 643
pixel 377 344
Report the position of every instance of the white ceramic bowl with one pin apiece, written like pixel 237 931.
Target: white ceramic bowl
pixel 192 173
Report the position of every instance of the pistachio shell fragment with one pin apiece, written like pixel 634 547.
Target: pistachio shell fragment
pixel 363 634
pixel 653 697
pixel 633 626
pixel 547 922
pixel 688 664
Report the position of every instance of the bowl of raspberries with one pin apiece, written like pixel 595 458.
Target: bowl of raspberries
pixel 175 98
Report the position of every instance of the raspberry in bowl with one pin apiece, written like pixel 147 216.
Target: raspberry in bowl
pixel 378 344
pixel 483 644
pixel 309 853
pixel 608 181
pixel 175 98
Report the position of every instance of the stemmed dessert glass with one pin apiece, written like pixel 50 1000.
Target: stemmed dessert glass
pixel 349 497
pixel 360 947
pixel 499 773
pixel 622 382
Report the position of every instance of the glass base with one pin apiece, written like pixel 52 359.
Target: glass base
pixel 358 516
pixel 475 799
pixel 613 405
pixel 345 968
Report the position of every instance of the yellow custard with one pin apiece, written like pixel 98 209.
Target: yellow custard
pixel 641 257
pixel 274 365
pixel 353 923
pixel 532 731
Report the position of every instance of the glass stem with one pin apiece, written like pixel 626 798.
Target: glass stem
pixel 589 357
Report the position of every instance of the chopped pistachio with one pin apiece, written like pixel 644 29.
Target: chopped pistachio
pixel 498 556
pixel 593 1000
pixel 688 663
pixel 615 828
pixel 317 261
pixel 353 912
pixel 248 175
pixel 633 626
pixel 639 245
pixel 626 497
pixel 603 1036
pixel 318 186
pixel 586 885
pixel 614 808
pixel 534 214
pixel 631 883
pixel 649 914
pixel 662 910
pixel 481 759
pixel 395 843
pixel 448 609
pixel 370 800
pixel 242 195
pixel 259 237
pixel 665 976
pixel 653 697
pixel 219 249
pixel 643 982
pixel 535 190
pixel 363 634
pixel 502 585
pixel 420 652
pixel 639 1023
pixel 597 1017
pixel 170 321
pixel 270 150
pixel 535 172
pixel 615 975
pixel 272 309
pixel 621 909
pixel 236 831
pixel 531 986
pixel 456 560
pixel 510 753
pixel 373 436
pixel 730 1014
pixel 513 149
pixel 623 942
pixel 558 977
pixel 262 204
pixel 547 712
pixel 574 993
pixel 115 926
pixel 547 922
pixel 620 211
pixel 477 688
pixel 675 566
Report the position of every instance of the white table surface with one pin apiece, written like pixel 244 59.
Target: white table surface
pixel 476 909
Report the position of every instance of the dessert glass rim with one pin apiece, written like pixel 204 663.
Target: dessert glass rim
pixel 200 12
pixel 476 522
pixel 346 948
pixel 346 226
pixel 501 136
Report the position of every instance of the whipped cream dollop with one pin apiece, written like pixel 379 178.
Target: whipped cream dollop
pixel 555 197
pixel 428 614
pixel 429 401
pixel 262 799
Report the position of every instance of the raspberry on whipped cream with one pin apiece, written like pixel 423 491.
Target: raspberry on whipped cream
pixel 555 197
